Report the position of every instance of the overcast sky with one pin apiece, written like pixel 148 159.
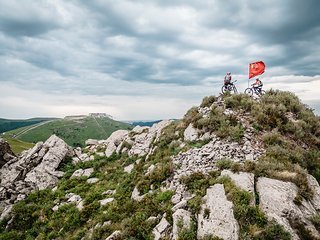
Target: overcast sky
pixel 150 59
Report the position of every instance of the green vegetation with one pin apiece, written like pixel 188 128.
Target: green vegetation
pixel 73 131
pixel 17 146
pixel 10 124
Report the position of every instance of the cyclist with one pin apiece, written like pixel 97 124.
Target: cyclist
pixel 257 85
pixel 227 79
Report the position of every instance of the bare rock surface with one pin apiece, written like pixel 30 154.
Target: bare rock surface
pixel 181 220
pixel 277 201
pixel 160 230
pixel 6 153
pixel 216 215
pixel 190 133
pixel 243 180
pixel 35 169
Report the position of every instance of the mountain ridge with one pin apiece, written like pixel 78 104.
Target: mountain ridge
pixel 232 168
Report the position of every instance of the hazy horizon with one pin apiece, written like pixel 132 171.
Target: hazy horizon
pixel 150 59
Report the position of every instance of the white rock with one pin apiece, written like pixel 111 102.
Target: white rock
pixel 6 212
pixel 150 169
pixel 109 192
pixel 82 172
pixel 129 168
pixel 136 195
pixel 313 183
pixel 114 140
pixel 92 180
pixel 243 180
pixel 160 230
pixel 106 201
pixel 183 217
pixel 190 133
pixel 115 235
pixel 179 205
pixel 276 200
pixel 220 221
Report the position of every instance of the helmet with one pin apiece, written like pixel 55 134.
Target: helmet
pixel 228 73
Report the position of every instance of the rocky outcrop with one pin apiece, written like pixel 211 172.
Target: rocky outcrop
pixel 35 169
pixel 190 133
pixel 277 201
pixel 216 215
pixel 181 220
pixel 6 153
pixel 243 180
pixel 160 231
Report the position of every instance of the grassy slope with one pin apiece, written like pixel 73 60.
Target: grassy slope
pixel 18 146
pixel 10 124
pixel 74 132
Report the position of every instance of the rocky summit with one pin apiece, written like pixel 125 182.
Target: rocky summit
pixel 232 168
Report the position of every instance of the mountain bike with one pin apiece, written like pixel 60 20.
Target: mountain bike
pixel 254 90
pixel 229 88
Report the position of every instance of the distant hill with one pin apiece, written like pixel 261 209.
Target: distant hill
pixel 73 129
pixel 10 124
pixel 144 123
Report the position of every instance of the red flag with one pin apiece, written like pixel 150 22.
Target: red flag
pixel 256 68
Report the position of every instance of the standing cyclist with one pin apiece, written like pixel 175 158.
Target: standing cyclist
pixel 227 79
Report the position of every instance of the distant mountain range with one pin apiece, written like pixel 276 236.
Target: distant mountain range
pixel 73 129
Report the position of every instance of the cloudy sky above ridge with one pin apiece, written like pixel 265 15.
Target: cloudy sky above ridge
pixel 150 59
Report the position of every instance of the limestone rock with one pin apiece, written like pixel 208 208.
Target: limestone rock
pixel 243 180
pixel 92 180
pixel 114 141
pixel 82 172
pixel 183 217
pixel 190 133
pixel 160 230
pixel 141 142
pixel 136 195
pixel 115 235
pixel 34 169
pixel 6 153
pixel 216 215
pixel 106 201
pixel 129 168
pixel 313 183
pixel 277 201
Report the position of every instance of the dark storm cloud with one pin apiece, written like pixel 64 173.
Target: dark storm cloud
pixel 124 47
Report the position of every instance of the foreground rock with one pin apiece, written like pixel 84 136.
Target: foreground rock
pixel 277 201
pixel 216 215
pixel 181 220
pixel 6 153
pixel 35 169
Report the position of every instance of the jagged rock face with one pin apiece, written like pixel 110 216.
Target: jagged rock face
pixel 277 201
pixel 6 153
pixel 34 169
pixel 216 215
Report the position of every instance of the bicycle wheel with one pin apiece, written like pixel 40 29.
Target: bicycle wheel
pixel 224 89
pixel 235 89
pixel 248 91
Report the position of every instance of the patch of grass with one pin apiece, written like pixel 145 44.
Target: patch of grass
pixel 188 233
pixel 316 221
pixel 273 231
pixel 224 163
pixel 208 101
